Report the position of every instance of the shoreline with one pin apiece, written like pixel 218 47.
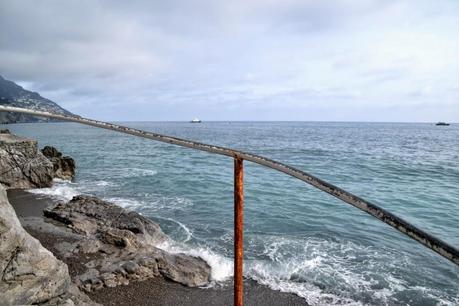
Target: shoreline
pixel 155 291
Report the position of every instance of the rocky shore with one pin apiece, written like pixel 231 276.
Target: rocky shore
pixel 82 251
pixel 121 246
pixel 22 165
pixel 29 273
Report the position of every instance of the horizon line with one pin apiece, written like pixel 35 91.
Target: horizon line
pixel 260 121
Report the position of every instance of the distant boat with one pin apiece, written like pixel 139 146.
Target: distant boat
pixel 442 124
pixel 195 120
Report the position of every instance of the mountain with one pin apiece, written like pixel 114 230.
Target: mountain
pixel 12 94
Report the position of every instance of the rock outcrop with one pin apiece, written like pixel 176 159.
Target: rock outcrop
pixel 21 163
pixel 23 166
pixel 63 166
pixel 121 245
pixel 30 274
pixel 111 224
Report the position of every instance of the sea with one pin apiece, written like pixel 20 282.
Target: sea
pixel 297 239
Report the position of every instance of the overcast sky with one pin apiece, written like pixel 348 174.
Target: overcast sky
pixel 363 60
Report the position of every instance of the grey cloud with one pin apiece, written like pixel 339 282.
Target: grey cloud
pixel 191 57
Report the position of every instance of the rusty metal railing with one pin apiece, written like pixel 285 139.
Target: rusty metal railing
pixel 444 249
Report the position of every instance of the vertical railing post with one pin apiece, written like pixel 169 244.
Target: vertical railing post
pixel 238 230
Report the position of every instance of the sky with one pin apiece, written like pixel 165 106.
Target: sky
pixel 361 60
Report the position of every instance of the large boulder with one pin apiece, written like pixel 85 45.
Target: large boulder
pixel 110 223
pixel 22 165
pixel 124 246
pixel 63 166
pixel 29 274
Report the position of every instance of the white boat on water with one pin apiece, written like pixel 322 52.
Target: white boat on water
pixel 195 120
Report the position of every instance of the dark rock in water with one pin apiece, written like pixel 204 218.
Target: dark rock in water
pixel 5 131
pixel 51 152
pixel 63 166
pixel 124 244
pixel 21 163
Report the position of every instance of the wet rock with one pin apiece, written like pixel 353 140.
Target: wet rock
pixel 127 244
pixel 184 269
pixel 63 166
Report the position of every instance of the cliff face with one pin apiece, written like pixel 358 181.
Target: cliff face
pixel 12 94
pixel 29 274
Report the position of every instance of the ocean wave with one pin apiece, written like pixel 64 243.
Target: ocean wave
pixel 61 190
pixel 327 272
pixel 65 190
pixel 221 267
pixel 287 269
pixel 124 202
pixel 186 232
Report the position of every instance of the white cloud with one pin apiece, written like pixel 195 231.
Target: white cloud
pixel 298 60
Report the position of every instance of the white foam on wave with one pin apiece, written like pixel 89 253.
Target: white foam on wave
pixel 153 202
pixel 221 267
pixel 61 190
pixel 124 202
pixel 188 232
pixel 435 294
pixel 65 190
pixel 326 272
pixel 296 273
pixel 280 278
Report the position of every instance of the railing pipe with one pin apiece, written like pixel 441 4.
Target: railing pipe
pixel 238 230
pixel 444 249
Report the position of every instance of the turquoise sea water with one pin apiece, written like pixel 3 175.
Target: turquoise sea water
pixel 297 239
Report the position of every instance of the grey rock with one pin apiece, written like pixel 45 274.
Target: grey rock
pixel 63 166
pixel 111 224
pixel 22 165
pixel 128 244
pixel 184 269
pixel 28 272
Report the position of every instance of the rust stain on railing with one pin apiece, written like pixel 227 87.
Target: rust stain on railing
pixel 238 230
pixel 447 251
